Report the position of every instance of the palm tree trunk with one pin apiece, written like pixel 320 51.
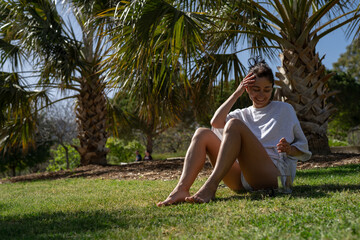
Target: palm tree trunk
pixel 149 143
pixel 91 116
pixel 303 85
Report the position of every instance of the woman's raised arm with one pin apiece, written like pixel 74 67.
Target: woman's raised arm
pixel 219 118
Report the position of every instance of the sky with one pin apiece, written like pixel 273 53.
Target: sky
pixel 332 46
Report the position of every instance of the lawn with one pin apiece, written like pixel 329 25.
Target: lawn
pixel 325 204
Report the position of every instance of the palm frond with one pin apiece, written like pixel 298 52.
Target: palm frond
pixel 160 30
pixel 18 110
pixel 9 52
pixel 354 27
pixel 244 23
pixel 37 28
pixel 214 70
pixel 352 19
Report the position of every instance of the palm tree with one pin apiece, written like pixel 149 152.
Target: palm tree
pixel 199 33
pixel 155 81
pixel 159 73
pixel 302 75
pixel 64 61
pixel 149 108
pixel 18 106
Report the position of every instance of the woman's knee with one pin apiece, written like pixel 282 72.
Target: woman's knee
pixel 201 133
pixel 234 125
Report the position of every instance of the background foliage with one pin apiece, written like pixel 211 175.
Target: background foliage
pixel 58 160
pixel 17 159
pixel 347 104
pixel 123 151
pixel 348 62
pixel 151 86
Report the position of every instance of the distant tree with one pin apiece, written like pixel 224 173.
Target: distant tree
pixel 150 108
pixel 64 157
pixel 196 110
pixel 21 146
pixel 175 139
pixel 347 102
pixel 218 96
pixel 204 35
pixel 37 32
pixel 123 151
pixel 18 105
pixel 349 62
pixel 59 126
pixel 16 158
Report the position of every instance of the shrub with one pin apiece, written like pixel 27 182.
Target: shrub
pixel 58 161
pixel 16 159
pixel 122 151
pixel 353 136
pixel 336 143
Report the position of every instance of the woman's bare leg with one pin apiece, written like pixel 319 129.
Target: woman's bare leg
pixel 239 142
pixel 203 142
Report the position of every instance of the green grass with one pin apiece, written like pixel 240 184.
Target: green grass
pixel 325 204
pixel 163 156
pixel 337 143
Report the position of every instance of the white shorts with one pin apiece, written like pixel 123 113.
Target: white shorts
pixel 245 184
pixel 291 166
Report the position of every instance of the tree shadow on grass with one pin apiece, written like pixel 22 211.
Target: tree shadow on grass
pixel 65 225
pixel 321 190
pixel 309 191
pixel 339 171
pixel 300 191
pixel 318 191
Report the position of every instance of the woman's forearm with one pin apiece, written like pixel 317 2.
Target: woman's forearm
pixel 219 118
pixel 294 151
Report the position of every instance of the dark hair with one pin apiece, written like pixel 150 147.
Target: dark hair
pixel 259 67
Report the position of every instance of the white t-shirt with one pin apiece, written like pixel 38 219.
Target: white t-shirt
pixel 271 123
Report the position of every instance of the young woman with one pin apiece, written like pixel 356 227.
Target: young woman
pixel 244 145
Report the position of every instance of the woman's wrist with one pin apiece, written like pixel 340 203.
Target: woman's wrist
pixel 294 151
pixel 238 93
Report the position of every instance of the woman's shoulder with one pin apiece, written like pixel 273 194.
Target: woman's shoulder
pixel 284 105
pixel 239 113
pixel 280 103
pixel 240 110
pixel 285 109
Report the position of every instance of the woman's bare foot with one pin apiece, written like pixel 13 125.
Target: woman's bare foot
pixel 204 195
pixel 176 196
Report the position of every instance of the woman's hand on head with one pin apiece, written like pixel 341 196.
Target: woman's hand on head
pixel 248 81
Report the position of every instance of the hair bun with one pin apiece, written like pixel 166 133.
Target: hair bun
pixel 259 67
pixel 254 61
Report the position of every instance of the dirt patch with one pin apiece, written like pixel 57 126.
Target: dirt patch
pixel 167 169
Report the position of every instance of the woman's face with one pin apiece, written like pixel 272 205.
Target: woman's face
pixel 260 92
